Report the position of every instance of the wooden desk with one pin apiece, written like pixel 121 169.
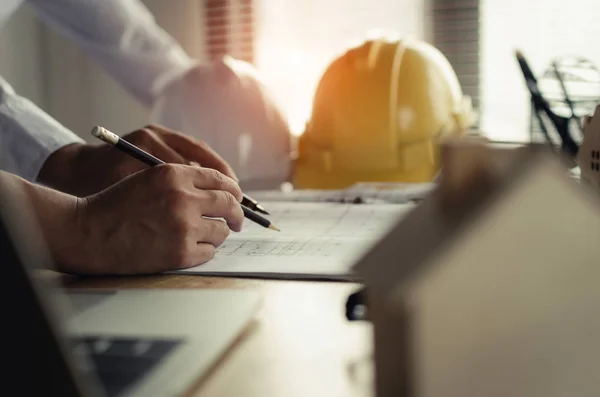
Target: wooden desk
pixel 300 344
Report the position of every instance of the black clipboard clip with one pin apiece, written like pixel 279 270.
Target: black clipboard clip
pixel 541 106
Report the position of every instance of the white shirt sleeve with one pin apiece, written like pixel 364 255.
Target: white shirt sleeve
pixel 27 134
pixel 124 38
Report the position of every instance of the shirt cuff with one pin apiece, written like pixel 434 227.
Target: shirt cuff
pixel 28 136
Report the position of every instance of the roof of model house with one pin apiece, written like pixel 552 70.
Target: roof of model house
pixel 475 177
pixel 501 266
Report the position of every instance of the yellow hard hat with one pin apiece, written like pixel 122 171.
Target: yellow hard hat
pixel 378 114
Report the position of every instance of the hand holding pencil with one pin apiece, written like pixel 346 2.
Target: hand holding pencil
pixel 159 219
pixel 150 160
pixel 80 169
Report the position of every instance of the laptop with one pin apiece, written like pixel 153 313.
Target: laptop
pixel 100 342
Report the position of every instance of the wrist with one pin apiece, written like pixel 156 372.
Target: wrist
pixel 61 220
pixel 67 237
pixel 74 254
pixel 60 171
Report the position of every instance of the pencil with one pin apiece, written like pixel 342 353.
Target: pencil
pixel 113 139
pixel 253 204
pixel 248 213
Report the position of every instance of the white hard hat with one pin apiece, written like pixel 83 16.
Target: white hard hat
pixel 227 105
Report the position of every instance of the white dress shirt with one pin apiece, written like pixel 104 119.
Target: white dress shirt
pixel 122 36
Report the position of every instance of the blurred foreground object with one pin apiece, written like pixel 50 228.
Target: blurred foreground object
pixel 227 105
pixel 378 114
pixel 489 286
pixel 589 152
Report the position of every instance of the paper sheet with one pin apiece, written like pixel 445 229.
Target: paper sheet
pixel 378 192
pixel 317 241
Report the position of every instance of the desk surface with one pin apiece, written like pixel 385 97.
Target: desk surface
pixel 300 344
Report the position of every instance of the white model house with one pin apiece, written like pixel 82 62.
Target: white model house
pixel 588 156
pixel 491 286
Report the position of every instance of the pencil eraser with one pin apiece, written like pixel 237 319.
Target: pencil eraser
pixel 97 131
pixel 105 135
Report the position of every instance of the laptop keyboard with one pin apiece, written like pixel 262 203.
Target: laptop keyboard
pixel 121 362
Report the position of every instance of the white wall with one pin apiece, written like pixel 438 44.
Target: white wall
pixel 82 95
pixel 54 73
pixel 543 29
pixel 297 40
pixel 20 58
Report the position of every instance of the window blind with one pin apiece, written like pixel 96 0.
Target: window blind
pixel 455 31
pixel 230 28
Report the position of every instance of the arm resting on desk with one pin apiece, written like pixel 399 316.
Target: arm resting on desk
pixel 57 215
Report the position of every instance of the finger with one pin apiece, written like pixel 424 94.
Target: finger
pixel 222 204
pixel 194 150
pixel 209 179
pixel 151 142
pixel 197 254
pixel 211 231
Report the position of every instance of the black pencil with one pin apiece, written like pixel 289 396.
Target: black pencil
pixel 150 160
pixel 253 204
pixel 248 213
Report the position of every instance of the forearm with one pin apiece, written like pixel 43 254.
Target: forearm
pixel 58 216
pixel 61 172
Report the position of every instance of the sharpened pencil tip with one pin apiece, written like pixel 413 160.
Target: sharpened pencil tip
pixel 273 227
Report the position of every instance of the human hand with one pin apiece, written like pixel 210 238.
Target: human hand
pixel 156 220
pixel 87 169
